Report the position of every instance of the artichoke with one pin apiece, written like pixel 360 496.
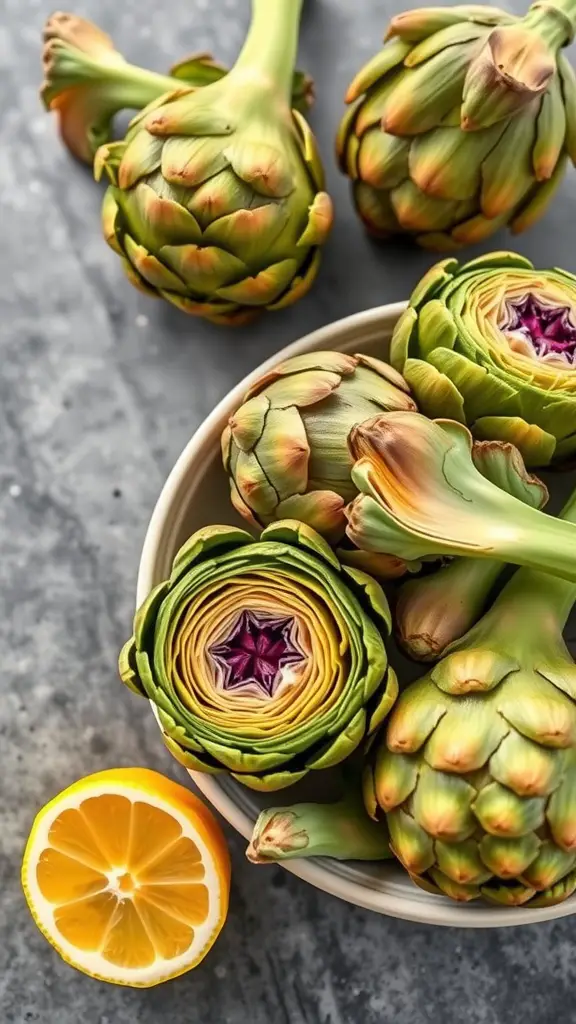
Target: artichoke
pixel 435 610
pixel 87 82
pixel 493 344
pixel 463 122
pixel 285 448
pixel 264 659
pixel 216 197
pixel 422 496
pixel 477 769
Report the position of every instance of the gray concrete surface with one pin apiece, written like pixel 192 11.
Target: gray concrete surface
pixel 99 390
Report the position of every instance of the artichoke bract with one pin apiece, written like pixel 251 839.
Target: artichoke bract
pixel 476 770
pixel 463 123
pixel 435 610
pixel 492 343
pixel 263 658
pixel 422 496
pixel 216 199
pixel 87 82
pixel 285 448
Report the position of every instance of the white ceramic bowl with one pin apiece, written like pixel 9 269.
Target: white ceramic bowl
pixel 195 494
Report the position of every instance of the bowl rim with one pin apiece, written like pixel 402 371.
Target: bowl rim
pixel 417 907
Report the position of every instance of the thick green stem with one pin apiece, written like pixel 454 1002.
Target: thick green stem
pixel 269 51
pixel 523 536
pixel 536 597
pixel 553 20
pixel 341 830
pixel 132 87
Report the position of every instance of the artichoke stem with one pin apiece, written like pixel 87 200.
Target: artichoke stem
pixel 341 830
pixel 132 88
pixel 269 51
pixel 540 601
pixel 541 543
pixel 553 20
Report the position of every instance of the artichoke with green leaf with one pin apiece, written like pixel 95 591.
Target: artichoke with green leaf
pixel 264 659
pixel 463 123
pixel 421 496
pixel 476 770
pixel 492 344
pixel 216 196
pixel 285 448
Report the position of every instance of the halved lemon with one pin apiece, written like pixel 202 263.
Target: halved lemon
pixel 127 874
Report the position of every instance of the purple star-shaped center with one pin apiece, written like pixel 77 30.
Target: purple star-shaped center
pixel 549 329
pixel 254 655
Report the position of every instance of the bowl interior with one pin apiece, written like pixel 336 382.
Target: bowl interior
pixel 196 494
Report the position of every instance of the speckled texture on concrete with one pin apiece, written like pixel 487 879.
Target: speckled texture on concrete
pixel 99 390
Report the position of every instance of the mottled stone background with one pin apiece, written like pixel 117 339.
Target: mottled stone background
pixel 100 389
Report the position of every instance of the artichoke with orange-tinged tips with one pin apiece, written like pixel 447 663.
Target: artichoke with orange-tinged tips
pixel 264 659
pixel 216 196
pixel 463 123
pixel 285 448
pixel 216 199
pixel 476 770
pixel 421 496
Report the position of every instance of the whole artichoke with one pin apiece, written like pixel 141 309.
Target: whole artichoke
pixel 492 343
pixel 463 123
pixel 264 659
pixel 285 448
pixel 216 197
pixel 477 768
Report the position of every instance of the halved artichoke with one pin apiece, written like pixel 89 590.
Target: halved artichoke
pixel 263 658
